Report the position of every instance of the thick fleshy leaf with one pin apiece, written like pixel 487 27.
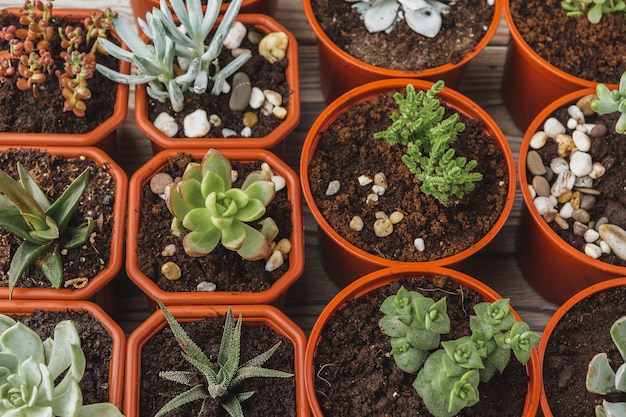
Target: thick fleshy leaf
pixel 240 197
pixel 193 394
pixel 212 183
pixel 256 246
pixel 23 343
pixel 199 220
pixel 175 203
pixel 381 15
pixel 600 376
pixel 200 244
pixel 78 235
pixel 64 206
pixel 25 255
pixel 60 355
pixel 269 228
pixel 22 200
pixel 52 266
pixel 427 22
pixel 214 161
pixel 11 219
pixel 32 188
pixel 263 191
pixel 43 235
pixel 234 236
pixel 252 211
pixel 69 401
pixel 190 193
pixel 100 410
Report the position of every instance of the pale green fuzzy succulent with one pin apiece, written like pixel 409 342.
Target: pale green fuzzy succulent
pixel 602 379
pixel 205 204
pixel 40 379
pixel 611 101
pixel 159 63
pixel 593 9
pixel 220 380
pixel 26 212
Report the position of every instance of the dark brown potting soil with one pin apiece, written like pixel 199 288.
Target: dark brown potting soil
pixel 357 377
pixel 272 397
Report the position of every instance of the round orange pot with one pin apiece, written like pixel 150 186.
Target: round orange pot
pixel 529 82
pixel 160 141
pixel 554 268
pixel 114 264
pixel 374 281
pixel 341 72
pixel 118 338
pixel 343 261
pixel 104 136
pixel 252 315
pixel 558 316
pixel 296 256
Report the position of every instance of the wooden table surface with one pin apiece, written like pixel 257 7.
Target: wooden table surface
pixel 495 265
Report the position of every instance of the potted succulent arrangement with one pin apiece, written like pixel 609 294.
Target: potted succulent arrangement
pixel 580 377
pixel 535 74
pixel 232 84
pixel 430 340
pixel 47 64
pixel 256 368
pixel 62 216
pixel 368 40
pixel 572 231
pixel 195 233
pixel 407 206
pixel 55 356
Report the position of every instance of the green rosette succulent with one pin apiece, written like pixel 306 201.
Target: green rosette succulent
pixel 205 204
pixel 612 101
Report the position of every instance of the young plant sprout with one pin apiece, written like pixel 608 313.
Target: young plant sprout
pixel 419 126
pixel 178 60
pixel 41 378
pixel 218 380
pixel 611 101
pixel 205 204
pixel 594 9
pixel 26 212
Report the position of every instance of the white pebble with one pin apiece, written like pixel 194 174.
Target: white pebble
pixel 615 237
pixel 234 174
pixel 605 247
pixel 580 163
pixel 566 211
pixel 279 112
pixel 538 140
pixel 576 113
pixel 564 182
pixel 559 165
pixel 225 88
pixel 206 286
pixel 274 262
pixel 597 170
pixel 581 140
pixel 365 180
pixel 235 35
pixel 553 127
pixel 378 189
pixel 265 167
pixel 169 250
pixel 333 187
pixel 572 123
pixel 196 124
pixel 246 132
pixel 356 224
pixel 267 108
pixel 419 243
pixel 591 235
pixel 279 182
pixel 383 227
pixel 273 97
pixel 372 198
pixel 166 124
pixel 215 120
pixel 592 250
pixel 256 98
pixel 228 133
pixel 544 205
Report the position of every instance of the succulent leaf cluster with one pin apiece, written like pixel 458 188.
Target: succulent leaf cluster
pixel 26 212
pixel 221 379
pixel 41 378
pixel 612 101
pixel 593 9
pixel 179 59
pixel 419 125
pixel 205 204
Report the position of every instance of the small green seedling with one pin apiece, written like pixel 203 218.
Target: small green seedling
pixel 612 101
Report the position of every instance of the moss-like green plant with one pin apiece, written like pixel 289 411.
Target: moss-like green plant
pixel 612 101
pixel 593 9
pixel 205 203
pixel 420 127
pixel 26 212
pixel 221 379
pixel 41 378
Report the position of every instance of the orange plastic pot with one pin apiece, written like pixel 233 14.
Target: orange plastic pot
pixel 341 72
pixel 554 268
pixel 252 315
pixel 104 136
pixel 529 82
pixel 343 261
pixel 372 282
pixel 558 316
pixel 273 141
pixel 114 264
pixel 272 294
pixel 118 338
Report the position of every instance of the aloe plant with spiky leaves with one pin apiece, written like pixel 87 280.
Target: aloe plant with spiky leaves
pixel 219 380
pixel 25 211
pixel 205 203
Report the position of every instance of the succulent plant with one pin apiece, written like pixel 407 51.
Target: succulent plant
pixel 611 101
pixel 161 63
pixel 593 9
pixel 205 203
pixel 40 379
pixel 422 16
pixel 219 380
pixel 26 212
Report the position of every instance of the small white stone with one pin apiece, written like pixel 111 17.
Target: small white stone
pixel 592 250
pixel 378 189
pixel 206 286
pixel 559 165
pixel 576 113
pixel 591 235
pixel 166 124
pixel 564 182
pixel 235 35
pixel 169 250
pixel 597 170
pixel 365 180
pixel 333 187
pixel 543 205
pixel 228 133
pixel 279 112
pixel 532 191
pixel 553 127
pixel 273 46
pixel 356 223
pixel 246 132
pixel 283 246
pixel 538 140
pixel 581 140
pixel 256 98
pixel 580 163
pixel 419 243
pixel 383 227
pixel 273 97
pixel 196 124
pixel 605 247
pixel 372 198
pixel 215 120
pixel 279 182
pixel 234 174
pixel 267 108
pixel 572 123
pixel 275 261
pixel 566 211
pixel 225 88
pixel 615 237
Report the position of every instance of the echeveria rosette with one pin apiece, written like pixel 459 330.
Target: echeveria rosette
pixel 205 204
pixel 611 101
pixel 40 379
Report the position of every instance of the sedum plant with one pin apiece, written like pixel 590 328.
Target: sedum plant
pixel 40 379
pixel 218 380
pixel 602 379
pixel 420 127
pixel 611 101
pixel 593 9
pixel 43 225
pixel 178 60
pixel 205 204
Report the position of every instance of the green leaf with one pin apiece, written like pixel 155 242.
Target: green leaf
pixel 22 200
pixel 233 237
pixel 393 326
pixel 25 255
pixel 600 376
pixel 196 393
pixel 256 246
pixel 11 219
pixel 64 206
pixel 251 211
pixel 618 334
pixel 32 188
pixel 201 243
pixel 100 410
pixel 78 235
pixel 52 267
pixel 23 343
pixel 595 13
pixel 190 193
pixel 214 161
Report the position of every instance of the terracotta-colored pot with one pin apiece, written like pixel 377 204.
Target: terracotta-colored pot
pixel 118 350
pixel 296 256
pixel 341 72
pixel 253 315
pixel 343 261
pixel 558 316
pixel 529 82
pixel 554 268
pixel 114 264
pixel 273 141
pixel 104 136
pixel 372 282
